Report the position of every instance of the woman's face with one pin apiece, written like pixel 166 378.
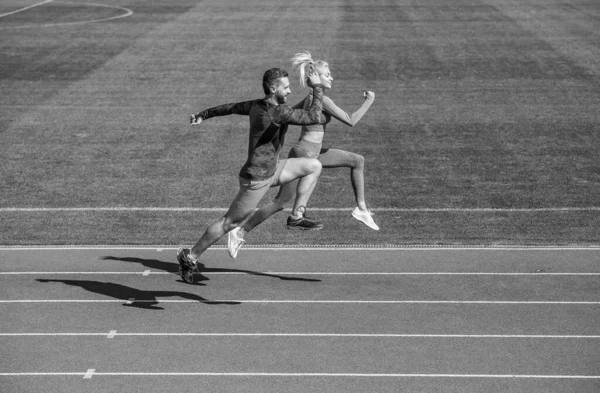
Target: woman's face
pixel 326 78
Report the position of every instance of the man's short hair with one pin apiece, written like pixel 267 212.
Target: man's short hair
pixel 271 77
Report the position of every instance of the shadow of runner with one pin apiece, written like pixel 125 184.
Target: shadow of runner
pixel 174 267
pixel 142 299
pixel 169 267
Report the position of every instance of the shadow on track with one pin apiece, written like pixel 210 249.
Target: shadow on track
pixel 142 299
pixel 174 267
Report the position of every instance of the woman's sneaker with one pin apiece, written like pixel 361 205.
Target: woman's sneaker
pixel 364 216
pixel 187 265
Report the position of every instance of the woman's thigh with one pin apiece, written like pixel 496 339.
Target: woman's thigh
pixel 335 158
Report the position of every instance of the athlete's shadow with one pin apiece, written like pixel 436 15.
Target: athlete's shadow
pixel 133 297
pixel 174 268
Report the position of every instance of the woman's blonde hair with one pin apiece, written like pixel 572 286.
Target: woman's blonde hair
pixel 304 65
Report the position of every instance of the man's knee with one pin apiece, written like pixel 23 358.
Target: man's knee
pixel 314 166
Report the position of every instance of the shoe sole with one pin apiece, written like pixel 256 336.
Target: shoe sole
pixel 293 228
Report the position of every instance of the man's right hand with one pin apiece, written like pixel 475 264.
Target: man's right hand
pixel 195 120
pixel 313 79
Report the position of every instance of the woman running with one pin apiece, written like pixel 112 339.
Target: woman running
pixel 311 137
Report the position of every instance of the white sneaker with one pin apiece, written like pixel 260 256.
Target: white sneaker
pixel 234 242
pixel 364 216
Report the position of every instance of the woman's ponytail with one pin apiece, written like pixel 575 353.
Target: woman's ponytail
pixel 304 65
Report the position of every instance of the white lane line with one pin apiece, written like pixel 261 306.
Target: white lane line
pixel 224 273
pixel 314 247
pixel 88 374
pixel 113 334
pixel 319 209
pixel 25 8
pixel 144 273
pixel 132 300
pixel 337 375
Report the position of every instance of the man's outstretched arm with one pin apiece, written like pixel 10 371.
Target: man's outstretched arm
pixel 239 108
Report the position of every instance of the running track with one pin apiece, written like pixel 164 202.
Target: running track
pixel 301 320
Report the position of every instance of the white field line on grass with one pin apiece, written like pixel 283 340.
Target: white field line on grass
pixel 289 301
pixel 322 209
pixel 25 8
pixel 313 247
pixel 113 334
pixel 127 13
pixel 92 373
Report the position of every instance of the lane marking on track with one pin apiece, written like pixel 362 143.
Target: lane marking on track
pixel 337 375
pixel 237 301
pixel 252 273
pixel 113 334
pixel 319 209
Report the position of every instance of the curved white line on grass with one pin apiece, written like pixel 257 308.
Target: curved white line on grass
pixel 322 209
pixel 127 13
pixel 24 8
pixel 238 301
pixel 295 375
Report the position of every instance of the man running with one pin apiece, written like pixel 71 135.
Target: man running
pixel 269 120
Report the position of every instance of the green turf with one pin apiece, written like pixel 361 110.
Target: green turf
pixel 479 104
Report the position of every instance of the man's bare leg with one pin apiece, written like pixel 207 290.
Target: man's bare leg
pixel 236 214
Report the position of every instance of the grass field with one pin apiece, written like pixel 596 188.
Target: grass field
pixel 485 128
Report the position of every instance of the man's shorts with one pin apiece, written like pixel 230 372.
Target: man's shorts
pixel 252 191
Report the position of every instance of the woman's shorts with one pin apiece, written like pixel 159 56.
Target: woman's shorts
pixel 305 149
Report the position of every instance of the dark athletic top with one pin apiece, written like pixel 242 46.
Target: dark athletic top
pixel 268 126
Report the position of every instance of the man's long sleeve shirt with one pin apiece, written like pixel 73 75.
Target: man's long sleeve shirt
pixel 268 126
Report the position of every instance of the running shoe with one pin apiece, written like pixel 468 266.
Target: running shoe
pixel 303 224
pixel 187 265
pixel 364 216
pixel 234 242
